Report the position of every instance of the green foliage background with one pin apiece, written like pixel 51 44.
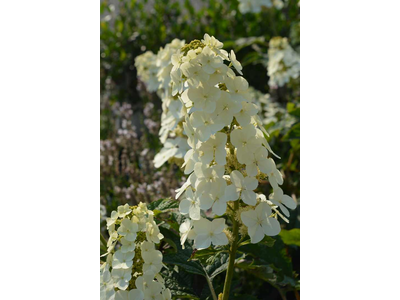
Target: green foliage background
pixel 268 270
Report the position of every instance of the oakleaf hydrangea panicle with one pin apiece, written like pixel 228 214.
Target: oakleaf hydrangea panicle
pixel 228 153
pixel 133 264
pixel 283 62
pixel 155 71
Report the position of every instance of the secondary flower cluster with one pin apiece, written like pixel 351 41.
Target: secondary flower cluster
pixel 133 264
pixel 228 150
pixel 283 62
pixel 147 70
pixel 255 6
pixel 271 110
pixel 154 71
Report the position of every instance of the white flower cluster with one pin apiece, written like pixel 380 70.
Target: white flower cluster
pixel 147 70
pixel 228 150
pixel 171 132
pixel 255 6
pixel 133 264
pixel 283 62
pixel 269 108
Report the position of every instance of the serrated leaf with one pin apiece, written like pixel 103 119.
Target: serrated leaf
pixel 180 283
pixel 162 205
pixel 220 264
pixel 171 243
pixel 182 256
pixel 175 220
pixel 181 259
pixel 263 272
pixel 276 255
pixel 267 240
pixel 200 254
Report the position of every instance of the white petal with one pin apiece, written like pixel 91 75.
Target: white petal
pixel 263 166
pixel 184 206
pixel 256 234
pixel 289 202
pixel 218 225
pixel 202 226
pixel 205 201
pixel 121 295
pixel 220 239
pixel 263 210
pixel 236 137
pixel 194 212
pixel 249 197
pixel 284 210
pixel 237 178
pixel 136 295
pixel 251 169
pixel 202 241
pixel 231 193
pixel 249 218
pixel 207 156
pixel 220 156
pixel 250 183
pixel 219 207
pixel 242 155
pixel 271 226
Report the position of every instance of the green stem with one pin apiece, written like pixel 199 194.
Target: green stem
pixel 103 240
pixel 232 256
pixel 214 295
pixel 211 288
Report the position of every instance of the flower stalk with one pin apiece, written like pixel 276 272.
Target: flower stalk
pixel 232 256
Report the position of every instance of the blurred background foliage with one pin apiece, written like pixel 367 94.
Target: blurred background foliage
pixel 130 120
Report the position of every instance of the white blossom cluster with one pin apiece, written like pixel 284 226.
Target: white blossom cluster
pixel 268 108
pixel 283 62
pixel 147 70
pixel 255 6
pixel 171 131
pixel 133 264
pixel 228 150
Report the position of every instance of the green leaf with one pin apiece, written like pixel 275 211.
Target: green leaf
pixel 162 205
pixel 181 259
pixel 171 243
pixel 293 133
pixel 180 283
pixel 267 240
pixel 293 109
pixel 263 272
pixel 206 253
pixel 182 256
pixel 175 220
pixel 291 237
pixel 219 263
pixel 276 256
